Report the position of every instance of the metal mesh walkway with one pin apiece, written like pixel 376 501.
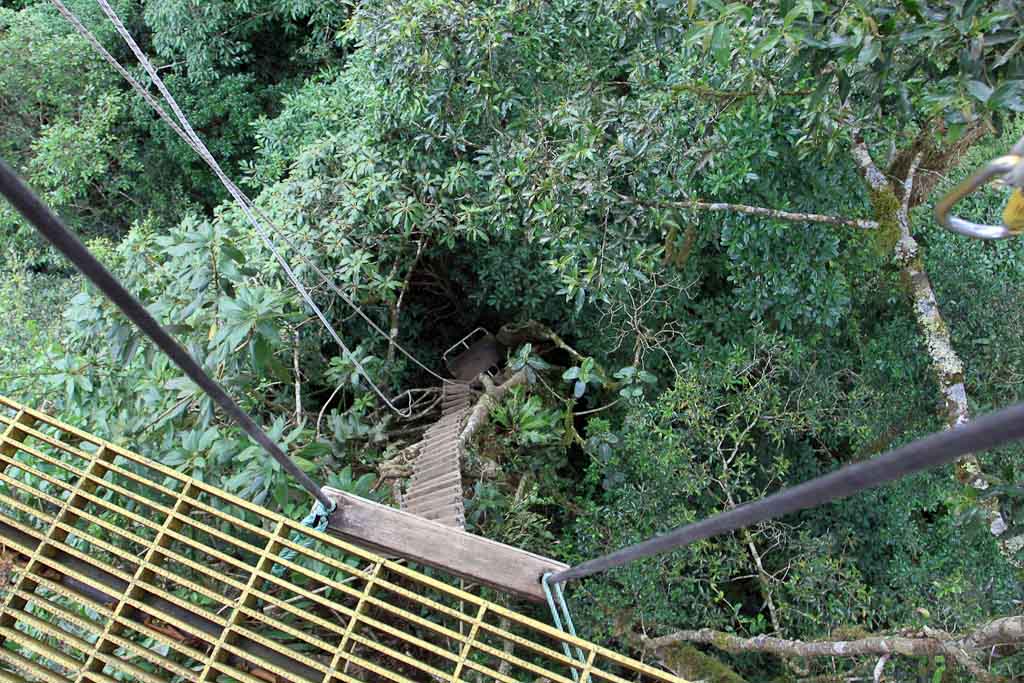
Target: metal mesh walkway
pixel 119 569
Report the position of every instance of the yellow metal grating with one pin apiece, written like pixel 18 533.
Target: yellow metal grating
pixel 117 568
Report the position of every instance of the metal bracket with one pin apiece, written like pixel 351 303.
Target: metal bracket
pixel 464 344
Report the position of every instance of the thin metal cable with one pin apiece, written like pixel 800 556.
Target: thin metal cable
pixel 191 138
pixel 994 429
pixel 243 203
pixel 51 227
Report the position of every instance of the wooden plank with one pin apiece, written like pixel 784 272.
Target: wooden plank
pixel 393 532
pixel 451 516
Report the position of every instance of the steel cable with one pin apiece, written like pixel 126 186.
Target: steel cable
pixel 990 431
pixel 50 226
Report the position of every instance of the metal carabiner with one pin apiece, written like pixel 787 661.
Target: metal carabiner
pixel 1012 167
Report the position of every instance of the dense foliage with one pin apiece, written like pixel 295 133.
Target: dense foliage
pixel 457 164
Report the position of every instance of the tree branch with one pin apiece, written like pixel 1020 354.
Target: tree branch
pixel 791 216
pixel 946 364
pixel 298 377
pixel 965 651
pixel 876 673
pixel 875 178
pixel 708 91
pixel 493 393
pixel 874 646
pixel 1000 632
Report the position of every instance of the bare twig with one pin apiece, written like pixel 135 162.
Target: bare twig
pixel 598 410
pixel 320 415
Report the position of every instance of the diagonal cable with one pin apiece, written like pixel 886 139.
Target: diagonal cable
pixel 251 211
pixel 51 227
pixel 989 431
pixel 243 203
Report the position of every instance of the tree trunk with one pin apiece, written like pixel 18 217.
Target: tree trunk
pixel 946 363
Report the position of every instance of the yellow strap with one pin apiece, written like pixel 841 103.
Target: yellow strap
pixel 1013 214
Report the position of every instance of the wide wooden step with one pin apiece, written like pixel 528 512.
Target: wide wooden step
pixel 444 481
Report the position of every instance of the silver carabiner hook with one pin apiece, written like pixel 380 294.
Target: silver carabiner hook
pixel 1012 167
pixel 1013 214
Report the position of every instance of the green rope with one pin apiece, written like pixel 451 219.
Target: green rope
pixel 317 521
pixel 558 604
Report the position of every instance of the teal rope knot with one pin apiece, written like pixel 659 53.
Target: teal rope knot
pixel 316 520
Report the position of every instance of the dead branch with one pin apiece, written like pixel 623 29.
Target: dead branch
pixel 395 309
pixel 399 466
pixel 790 216
pixel 493 393
pixel 633 319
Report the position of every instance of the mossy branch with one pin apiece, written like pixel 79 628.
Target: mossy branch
pixel 946 364
pixel 967 651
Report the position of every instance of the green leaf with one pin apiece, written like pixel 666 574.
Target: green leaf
pixel 767 44
pixel 627 373
pixel 802 8
pixel 316 449
pixel 261 353
pixel 913 7
pixel 304 464
pixel 720 44
pixel 869 52
pixel 1008 96
pixel 979 90
pixel 233 253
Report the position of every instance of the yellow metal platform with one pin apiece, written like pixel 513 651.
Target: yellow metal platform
pixel 117 568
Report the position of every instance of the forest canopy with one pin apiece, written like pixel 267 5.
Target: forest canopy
pixel 705 230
